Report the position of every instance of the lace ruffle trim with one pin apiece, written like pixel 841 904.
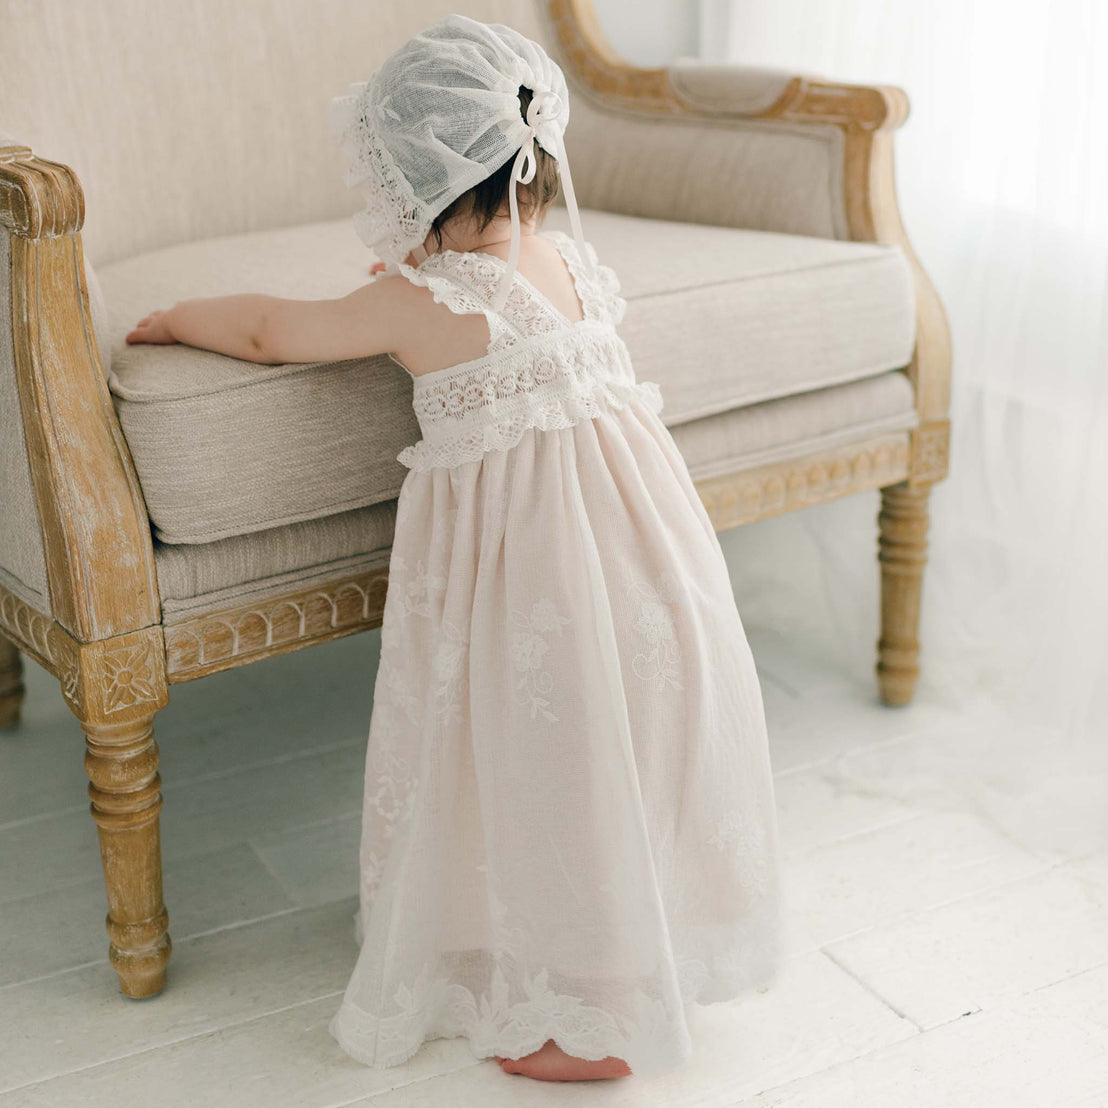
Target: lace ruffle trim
pixel 542 410
pixel 600 294
pixel 466 283
pixel 461 300
pixel 394 221
pixel 444 290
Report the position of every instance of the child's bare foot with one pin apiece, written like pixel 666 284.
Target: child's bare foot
pixel 551 1063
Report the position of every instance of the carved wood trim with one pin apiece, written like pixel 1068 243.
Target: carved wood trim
pixel 930 453
pixel 29 629
pixel 108 681
pixel 96 533
pixel 234 636
pixel 113 681
pixel 754 494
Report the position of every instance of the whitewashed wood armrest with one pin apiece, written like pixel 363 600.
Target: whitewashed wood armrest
pixel 95 529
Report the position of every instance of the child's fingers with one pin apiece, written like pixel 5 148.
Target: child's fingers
pixel 150 329
pixel 377 267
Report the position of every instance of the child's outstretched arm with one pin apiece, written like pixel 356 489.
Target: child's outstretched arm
pixel 270 330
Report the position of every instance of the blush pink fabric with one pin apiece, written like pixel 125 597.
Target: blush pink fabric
pixel 569 828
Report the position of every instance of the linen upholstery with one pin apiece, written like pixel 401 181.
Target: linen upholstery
pixel 179 134
pixel 769 176
pixel 776 430
pixel 22 555
pixel 719 317
pixel 197 578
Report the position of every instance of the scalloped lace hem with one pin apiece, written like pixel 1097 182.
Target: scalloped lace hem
pixel 545 412
pixel 351 1028
pixel 651 1042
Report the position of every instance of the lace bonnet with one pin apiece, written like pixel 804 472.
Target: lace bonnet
pixel 441 115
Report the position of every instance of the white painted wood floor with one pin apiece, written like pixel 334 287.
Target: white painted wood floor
pixel 947 879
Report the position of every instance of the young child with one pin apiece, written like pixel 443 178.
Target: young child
pixel 569 830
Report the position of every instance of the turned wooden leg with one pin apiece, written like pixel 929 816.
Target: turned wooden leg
pixel 122 763
pixel 902 553
pixel 114 687
pixel 11 683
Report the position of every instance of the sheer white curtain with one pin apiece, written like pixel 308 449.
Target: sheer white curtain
pixel 1002 173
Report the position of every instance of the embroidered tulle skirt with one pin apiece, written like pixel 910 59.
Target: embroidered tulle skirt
pixel 569 826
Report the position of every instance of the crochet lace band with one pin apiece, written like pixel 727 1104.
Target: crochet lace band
pixel 488 404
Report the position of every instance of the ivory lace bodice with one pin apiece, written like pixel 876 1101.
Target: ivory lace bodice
pixel 540 369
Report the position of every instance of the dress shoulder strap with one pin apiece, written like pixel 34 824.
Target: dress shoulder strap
pixel 598 291
pixel 467 283
pixel 450 280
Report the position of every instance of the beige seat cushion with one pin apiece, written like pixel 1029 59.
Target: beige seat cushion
pixel 197 578
pixel 720 318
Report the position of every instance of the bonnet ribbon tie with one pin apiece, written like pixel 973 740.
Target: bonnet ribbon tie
pixel 543 108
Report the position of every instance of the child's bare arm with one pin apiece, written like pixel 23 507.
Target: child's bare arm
pixel 226 324
pixel 271 330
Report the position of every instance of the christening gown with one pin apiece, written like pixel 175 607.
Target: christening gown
pixel 569 829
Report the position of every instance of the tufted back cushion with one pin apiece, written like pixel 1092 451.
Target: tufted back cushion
pixel 186 121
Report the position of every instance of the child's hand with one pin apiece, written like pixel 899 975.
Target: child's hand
pixel 151 328
pixel 377 267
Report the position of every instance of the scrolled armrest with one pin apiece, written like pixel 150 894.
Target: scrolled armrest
pixel 38 199
pixel 95 529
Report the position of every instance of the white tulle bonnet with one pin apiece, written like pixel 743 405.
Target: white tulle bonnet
pixel 441 115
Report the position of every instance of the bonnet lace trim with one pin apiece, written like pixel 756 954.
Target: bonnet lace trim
pixel 393 221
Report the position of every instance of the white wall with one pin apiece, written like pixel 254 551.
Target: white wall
pixel 650 32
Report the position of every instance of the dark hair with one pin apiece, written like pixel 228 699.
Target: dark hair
pixel 484 201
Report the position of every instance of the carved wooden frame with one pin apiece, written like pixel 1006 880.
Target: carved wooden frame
pixel 107 641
